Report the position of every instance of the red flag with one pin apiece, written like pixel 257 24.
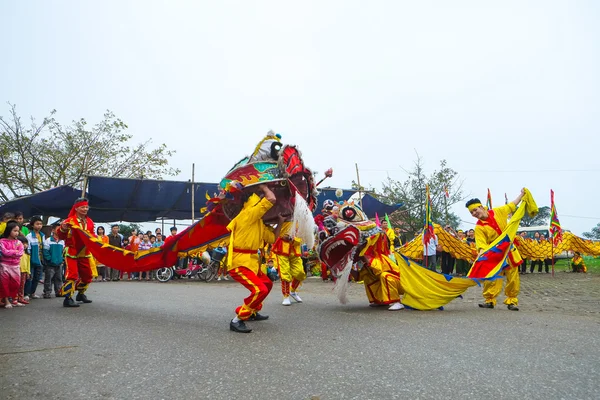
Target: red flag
pixel 489 200
pixel 555 228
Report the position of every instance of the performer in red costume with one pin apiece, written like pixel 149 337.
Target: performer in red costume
pixel 78 274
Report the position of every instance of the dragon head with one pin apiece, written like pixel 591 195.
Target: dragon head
pixel 344 231
pixel 280 167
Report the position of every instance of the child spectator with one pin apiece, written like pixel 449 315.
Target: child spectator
pixel 5 218
pixel 100 233
pixel 24 264
pixel 19 219
pixel 145 245
pixel 159 240
pixel 53 256
pixel 11 249
pixel 35 249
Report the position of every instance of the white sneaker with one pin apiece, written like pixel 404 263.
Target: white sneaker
pixel 35 296
pixel 396 306
pixel 219 278
pixel 226 278
pixel 26 298
pixel 286 301
pixel 295 296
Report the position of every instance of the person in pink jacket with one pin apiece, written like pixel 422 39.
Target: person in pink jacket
pixel 11 250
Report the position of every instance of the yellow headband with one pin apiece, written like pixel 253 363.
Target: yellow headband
pixel 474 206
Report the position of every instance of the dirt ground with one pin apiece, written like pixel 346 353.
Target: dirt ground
pixel 569 293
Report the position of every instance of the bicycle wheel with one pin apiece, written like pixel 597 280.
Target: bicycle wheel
pixel 213 270
pixel 203 274
pixel 164 274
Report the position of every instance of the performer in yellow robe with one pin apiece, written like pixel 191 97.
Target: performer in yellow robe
pixel 248 235
pixel 381 276
pixel 489 226
pixel 288 261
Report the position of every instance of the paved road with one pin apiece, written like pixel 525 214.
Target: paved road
pixel 142 340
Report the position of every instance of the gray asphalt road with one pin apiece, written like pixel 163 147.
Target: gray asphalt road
pixel 143 340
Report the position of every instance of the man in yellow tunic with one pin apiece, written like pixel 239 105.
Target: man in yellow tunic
pixel 248 235
pixel 489 226
pixel 288 252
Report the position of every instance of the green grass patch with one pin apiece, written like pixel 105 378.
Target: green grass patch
pixel 592 264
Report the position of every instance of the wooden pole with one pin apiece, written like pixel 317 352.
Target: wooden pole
pixel 552 239
pixel 193 167
pixel 84 188
pixel 359 187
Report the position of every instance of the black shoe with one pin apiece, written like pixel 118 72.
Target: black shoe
pixel 239 326
pixel 83 298
pixel 69 302
pixel 486 305
pixel 512 307
pixel 258 317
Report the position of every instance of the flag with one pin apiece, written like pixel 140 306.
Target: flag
pixel 446 192
pixel 488 203
pixel 505 199
pixel 428 232
pixel 377 220
pixel 388 220
pixel 555 229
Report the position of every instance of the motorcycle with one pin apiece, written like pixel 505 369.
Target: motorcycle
pixel 205 267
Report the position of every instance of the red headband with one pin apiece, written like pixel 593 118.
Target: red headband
pixel 80 204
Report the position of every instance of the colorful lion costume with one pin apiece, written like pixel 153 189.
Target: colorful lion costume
pixel 348 240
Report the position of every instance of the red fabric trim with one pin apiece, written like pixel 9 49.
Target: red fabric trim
pixel 245 251
pixel 491 222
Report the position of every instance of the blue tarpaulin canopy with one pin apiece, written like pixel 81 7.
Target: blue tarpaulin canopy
pixel 143 200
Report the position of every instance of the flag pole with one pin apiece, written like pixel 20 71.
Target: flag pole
pixel 552 238
pixel 359 187
pixel 193 168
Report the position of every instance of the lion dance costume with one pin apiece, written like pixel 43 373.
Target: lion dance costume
pixel 78 259
pixel 288 252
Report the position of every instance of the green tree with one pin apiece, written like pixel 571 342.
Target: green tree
pixel 412 193
pixel 593 234
pixel 542 218
pixel 37 157
pixel 126 229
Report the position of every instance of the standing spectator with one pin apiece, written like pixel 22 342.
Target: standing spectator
pixel 19 219
pixel 36 251
pixel 5 218
pixel 447 259
pixel 100 233
pixel 152 240
pixel 159 241
pixel 134 244
pixel 429 253
pixel 115 239
pixel 24 267
pixel 53 256
pixel 524 265
pixel 145 245
pixel 547 261
pixel 173 231
pixel 11 250
pixel 537 238
pixel 462 266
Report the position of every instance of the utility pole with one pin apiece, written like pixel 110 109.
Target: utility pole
pixel 193 167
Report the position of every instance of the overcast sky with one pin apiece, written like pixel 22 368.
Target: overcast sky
pixel 508 93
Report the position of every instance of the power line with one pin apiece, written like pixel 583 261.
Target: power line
pixel 577 216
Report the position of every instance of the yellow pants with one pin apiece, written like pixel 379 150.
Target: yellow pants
pixel 382 289
pixel 491 289
pixel 290 267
